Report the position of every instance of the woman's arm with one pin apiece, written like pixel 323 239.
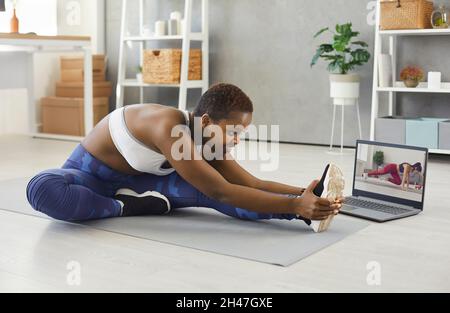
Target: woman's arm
pixel 276 187
pixel 405 180
pixel 236 174
pixel 207 180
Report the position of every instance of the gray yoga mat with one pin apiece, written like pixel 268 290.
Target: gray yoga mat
pixel 275 242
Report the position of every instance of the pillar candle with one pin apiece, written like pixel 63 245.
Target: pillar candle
pixel 434 80
pixel 160 28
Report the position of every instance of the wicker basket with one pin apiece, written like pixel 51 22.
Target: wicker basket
pixel 164 66
pixel 406 14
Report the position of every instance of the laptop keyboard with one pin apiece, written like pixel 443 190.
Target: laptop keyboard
pixel 375 206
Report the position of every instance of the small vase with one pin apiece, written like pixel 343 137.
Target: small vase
pixel 411 83
pixel 14 23
pixel 439 18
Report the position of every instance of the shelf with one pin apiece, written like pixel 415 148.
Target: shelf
pixel 414 90
pixel 194 37
pixel 56 137
pixel 184 40
pixel 422 88
pixel 439 151
pixel 416 32
pixel 135 83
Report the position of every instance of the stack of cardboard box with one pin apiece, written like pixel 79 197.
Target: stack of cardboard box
pixel 64 113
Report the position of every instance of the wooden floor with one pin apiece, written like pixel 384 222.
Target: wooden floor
pixel 413 254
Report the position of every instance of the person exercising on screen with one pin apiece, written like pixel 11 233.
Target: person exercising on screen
pixel 400 173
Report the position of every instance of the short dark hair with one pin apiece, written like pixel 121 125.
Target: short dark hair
pixel 222 99
pixel 418 167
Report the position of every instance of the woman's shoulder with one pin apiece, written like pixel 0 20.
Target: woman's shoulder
pixel 156 118
pixel 158 113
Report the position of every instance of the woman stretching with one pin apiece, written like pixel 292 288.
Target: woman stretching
pixel 130 165
pixel 400 173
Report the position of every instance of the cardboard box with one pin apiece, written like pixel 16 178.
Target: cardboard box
pixel 71 76
pixel 76 89
pixel 65 116
pixel 77 63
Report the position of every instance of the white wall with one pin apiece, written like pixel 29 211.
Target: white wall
pixel 34 16
pixel 60 17
pixel 85 18
pixel 398 156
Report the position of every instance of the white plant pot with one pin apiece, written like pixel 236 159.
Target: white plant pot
pixel 139 77
pixel 344 88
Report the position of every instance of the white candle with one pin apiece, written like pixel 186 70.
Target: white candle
pixel 160 28
pixel 175 16
pixel 434 80
pixel 173 27
pixel 146 31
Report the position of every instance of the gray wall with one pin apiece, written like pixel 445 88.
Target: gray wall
pixel 265 47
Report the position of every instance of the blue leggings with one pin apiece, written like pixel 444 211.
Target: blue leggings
pixel 84 189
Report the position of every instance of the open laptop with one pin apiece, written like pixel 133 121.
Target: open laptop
pixel 377 182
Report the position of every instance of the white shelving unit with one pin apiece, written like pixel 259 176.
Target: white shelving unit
pixel 399 87
pixel 185 40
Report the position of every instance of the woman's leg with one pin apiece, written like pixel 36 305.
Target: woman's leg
pixel 388 169
pixel 72 195
pixel 396 180
pixel 181 194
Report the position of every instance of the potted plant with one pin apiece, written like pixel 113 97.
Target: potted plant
pixel 378 158
pixel 344 54
pixel 139 77
pixel 412 76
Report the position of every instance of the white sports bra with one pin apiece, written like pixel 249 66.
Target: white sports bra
pixel 138 155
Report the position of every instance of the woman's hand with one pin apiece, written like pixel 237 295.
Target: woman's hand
pixel 311 207
pixel 339 201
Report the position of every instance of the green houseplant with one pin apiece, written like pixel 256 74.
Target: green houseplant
pixel 139 75
pixel 344 54
pixel 378 158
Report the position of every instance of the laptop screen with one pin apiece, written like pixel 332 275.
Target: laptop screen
pixel 391 172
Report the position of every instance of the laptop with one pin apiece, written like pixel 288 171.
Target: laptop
pixel 382 172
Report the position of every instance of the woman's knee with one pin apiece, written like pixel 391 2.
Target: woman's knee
pixel 46 192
